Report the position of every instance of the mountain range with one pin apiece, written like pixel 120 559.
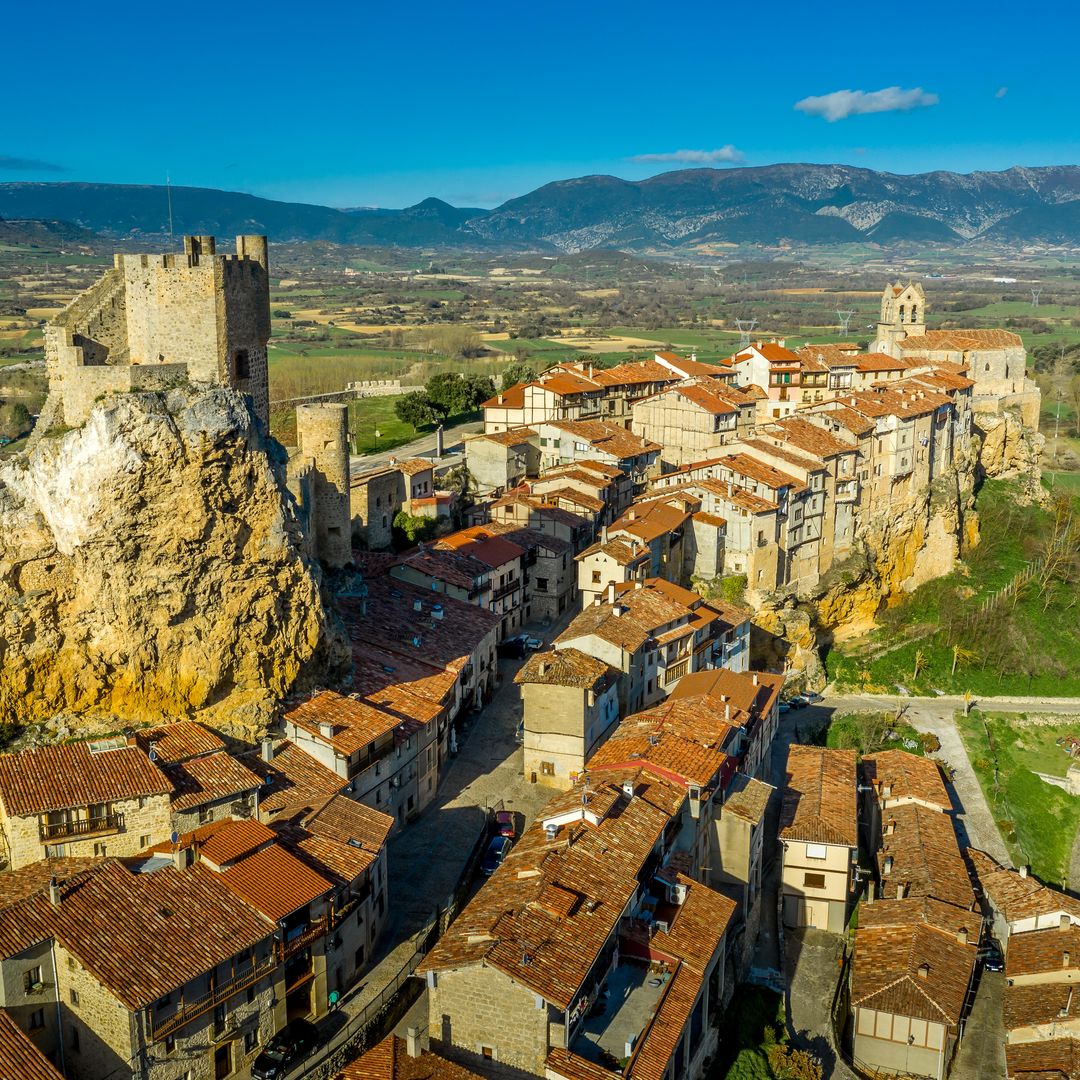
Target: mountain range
pixel 686 209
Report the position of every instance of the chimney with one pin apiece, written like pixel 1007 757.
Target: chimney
pixel 1023 871
pixel 900 890
pixel 182 857
pixel 412 1042
pixel 924 971
pixel 393 460
pixel 962 935
pixel 1064 921
pixel 753 675
pixel 267 748
pixel 54 892
pixel 326 729
pixel 500 399
pixel 1065 958
pixel 611 592
pixel 603 534
pixel 890 828
pixel 887 866
pixel 543 667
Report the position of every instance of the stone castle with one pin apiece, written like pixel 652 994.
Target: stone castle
pixel 199 318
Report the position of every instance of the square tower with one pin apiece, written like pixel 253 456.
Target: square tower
pixel 903 314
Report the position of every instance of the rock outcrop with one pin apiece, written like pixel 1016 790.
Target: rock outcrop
pixel 1010 448
pixel 151 568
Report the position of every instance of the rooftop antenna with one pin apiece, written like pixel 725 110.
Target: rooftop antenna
pixel 845 320
pixel 1035 294
pixel 745 328
pixel 168 195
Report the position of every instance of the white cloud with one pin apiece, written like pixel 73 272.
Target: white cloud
pixel 844 103
pixel 692 157
pixel 1001 91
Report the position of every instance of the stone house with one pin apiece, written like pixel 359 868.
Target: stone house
pixel 692 420
pixel 386 758
pixel 103 796
pixel 819 836
pixel 610 562
pixel 404 1059
pixel 565 441
pixel 375 499
pixel 606 485
pixel 532 512
pixel 550 571
pixel 570 704
pixel 502 460
pixel 774 368
pixel 738 843
pixel 209 784
pixel 570 963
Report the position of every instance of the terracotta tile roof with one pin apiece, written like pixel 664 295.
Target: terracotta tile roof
pixel 669 756
pixel 107 916
pixel 571 1066
pixel 566 667
pixel 210 778
pixel 607 437
pixel 919 909
pixel 844 417
pixel 748 693
pixel 810 437
pixel 67 775
pixel 879 362
pixel 177 742
pixel 942 380
pixel 906 776
pixel 747 798
pixel 745 465
pixel 274 882
pixel 900 399
pixel 20 1059
pixel 819 797
pixel 921 854
pixel 416 465
pixel 338 837
pixel 621 551
pixel 505 926
pixel 960 340
pixel 221 843
pixel 482 544
pixel 26 914
pixel 1044 1059
pixel 354 723
pixel 513 397
pixel 737 496
pixel 792 457
pixel 885 974
pixel 389 1060
pixel 650 520
pixel 1034 1004
pixel 773 351
pixel 513 437
pixel 634 372
pixel 394 681
pixel 830 355
pixel 293 775
pixel 709 399
pixel 1044 952
pixel 445 564
pixel 572 495
pixel 1018 897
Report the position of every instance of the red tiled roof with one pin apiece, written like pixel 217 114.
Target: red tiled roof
pixel 20 1059
pixel 210 778
pixel 274 882
pixel 67 775
pixel 176 742
pixel 819 797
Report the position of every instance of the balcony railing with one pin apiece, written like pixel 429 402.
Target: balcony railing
pixel 95 826
pixel 315 931
pixel 191 1010
pixel 505 590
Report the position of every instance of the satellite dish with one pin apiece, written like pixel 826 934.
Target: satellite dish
pixel 175 837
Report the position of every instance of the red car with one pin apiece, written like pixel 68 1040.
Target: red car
pixel 504 824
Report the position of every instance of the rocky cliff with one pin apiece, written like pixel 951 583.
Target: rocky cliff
pixel 1009 448
pixel 151 568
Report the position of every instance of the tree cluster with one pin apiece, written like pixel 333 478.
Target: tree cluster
pixel 446 394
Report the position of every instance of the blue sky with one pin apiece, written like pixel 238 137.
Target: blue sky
pixel 385 103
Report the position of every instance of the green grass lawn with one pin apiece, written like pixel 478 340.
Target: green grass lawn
pixel 870 733
pixel 1037 821
pixel 1031 646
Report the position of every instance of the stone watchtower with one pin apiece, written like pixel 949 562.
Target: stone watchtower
pixel 903 314
pixel 319 474
pixel 152 319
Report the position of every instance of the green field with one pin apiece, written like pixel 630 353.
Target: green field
pixel 1037 821
pixel 1030 646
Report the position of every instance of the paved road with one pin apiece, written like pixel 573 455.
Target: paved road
pixel 453 441
pixel 951 702
pixel 981 1055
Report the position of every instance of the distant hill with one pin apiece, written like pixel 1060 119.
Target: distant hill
pixel 801 204
pixel 45 233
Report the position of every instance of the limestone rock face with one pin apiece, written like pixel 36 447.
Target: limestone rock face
pixel 151 568
pixel 1010 448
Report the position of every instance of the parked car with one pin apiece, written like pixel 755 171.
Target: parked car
pixel 991 956
pixel 511 649
pixel 798 701
pixel 504 824
pixel 290 1045
pixel 493 857
pixel 784 707
pixel 812 698
pixel 533 643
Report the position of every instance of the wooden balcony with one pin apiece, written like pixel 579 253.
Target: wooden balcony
pixel 79 827
pixel 315 931
pixel 191 1010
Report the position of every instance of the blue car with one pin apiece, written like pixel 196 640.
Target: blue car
pixel 493 857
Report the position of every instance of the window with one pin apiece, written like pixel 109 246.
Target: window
pixel 814 881
pixel 144 841
pixel 596 577
pixel 541 584
pixel 547 768
pixel 817 851
pixel 241 364
pixel 170 1044
pixel 37 1019
pixel 31 980
pixel 205 815
pixel 488 1052
pixel 74 996
pixel 251 1040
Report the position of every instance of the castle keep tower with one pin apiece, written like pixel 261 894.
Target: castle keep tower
pixel 321 469
pixel 903 314
pixel 153 319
